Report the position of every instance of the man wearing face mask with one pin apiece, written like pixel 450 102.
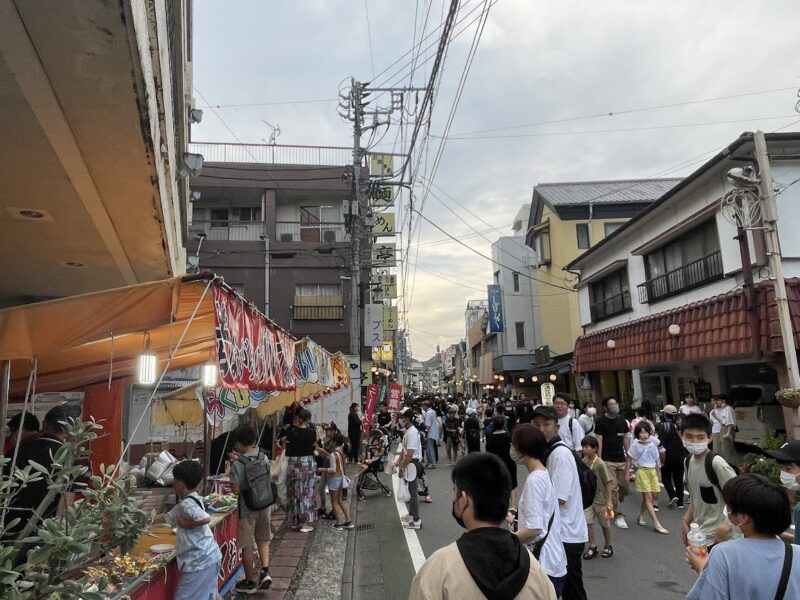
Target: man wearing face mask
pixel 788 457
pixel 612 436
pixel 488 560
pixel 672 445
pixel 707 507
pixel 586 420
pixel 412 452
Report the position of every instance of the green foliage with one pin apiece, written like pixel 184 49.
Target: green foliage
pixel 774 440
pixel 108 518
pixel 762 465
pixel 626 405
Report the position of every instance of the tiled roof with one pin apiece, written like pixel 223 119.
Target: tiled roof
pixel 605 192
pixel 714 328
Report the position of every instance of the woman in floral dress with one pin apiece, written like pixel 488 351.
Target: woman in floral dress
pixel 300 442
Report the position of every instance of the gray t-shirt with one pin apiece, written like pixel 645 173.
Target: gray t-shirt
pixel 746 568
pixel 237 477
pixel 707 502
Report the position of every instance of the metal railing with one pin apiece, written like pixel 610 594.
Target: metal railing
pixel 297 231
pixel 269 154
pixel 608 307
pixel 687 277
pixel 231 231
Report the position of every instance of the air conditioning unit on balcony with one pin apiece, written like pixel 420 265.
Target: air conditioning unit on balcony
pixel 329 236
pixel 287 237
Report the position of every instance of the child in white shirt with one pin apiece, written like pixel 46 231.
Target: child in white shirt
pixel 645 458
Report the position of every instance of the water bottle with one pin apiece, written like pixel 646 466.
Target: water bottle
pixel 697 540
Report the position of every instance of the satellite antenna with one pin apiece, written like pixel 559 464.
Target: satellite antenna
pixel 276 131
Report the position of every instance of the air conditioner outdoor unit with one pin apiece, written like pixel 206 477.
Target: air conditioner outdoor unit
pixel 329 236
pixel 287 237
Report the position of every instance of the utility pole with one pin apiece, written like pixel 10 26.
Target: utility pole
pixel 355 222
pixel 773 247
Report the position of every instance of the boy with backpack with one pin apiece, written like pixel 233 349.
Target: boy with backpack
pixel 252 481
pixel 706 475
pixel 198 555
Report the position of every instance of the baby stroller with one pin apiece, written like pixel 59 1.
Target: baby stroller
pixel 369 478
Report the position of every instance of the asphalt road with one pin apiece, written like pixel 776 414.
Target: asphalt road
pixel 645 563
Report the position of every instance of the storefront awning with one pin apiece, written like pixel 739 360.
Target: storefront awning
pixel 715 328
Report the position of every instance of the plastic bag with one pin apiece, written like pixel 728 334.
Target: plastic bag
pixel 401 493
pixel 282 469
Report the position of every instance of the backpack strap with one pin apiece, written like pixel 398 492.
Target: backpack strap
pixel 197 501
pixel 783 583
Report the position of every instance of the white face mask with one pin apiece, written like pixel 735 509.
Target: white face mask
pixel 736 530
pixel 789 481
pixel 591 411
pixel 695 448
pixel 515 456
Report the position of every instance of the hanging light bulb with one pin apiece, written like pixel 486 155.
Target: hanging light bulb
pixel 147 364
pixel 522 380
pixel 535 378
pixel 210 375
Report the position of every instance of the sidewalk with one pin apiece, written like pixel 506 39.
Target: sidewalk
pixel 369 562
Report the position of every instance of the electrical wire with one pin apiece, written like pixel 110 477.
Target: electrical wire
pixel 369 37
pixel 276 103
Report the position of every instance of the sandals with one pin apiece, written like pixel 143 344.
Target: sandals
pixel 608 552
pixel 591 553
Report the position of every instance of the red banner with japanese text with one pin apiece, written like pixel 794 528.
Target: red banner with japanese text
pixel 252 352
pixel 395 395
pixel 369 407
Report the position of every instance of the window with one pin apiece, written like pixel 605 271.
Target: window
pixel 318 301
pixel 520 330
pixel 582 233
pixel 610 296
pixel 219 217
pixel 321 224
pixel 515 276
pixel 541 245
pixel 687 262
pixel 610 228
pixel 249 214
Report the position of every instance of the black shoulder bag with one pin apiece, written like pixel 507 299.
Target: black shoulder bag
pixel 783 583
pixel 536 547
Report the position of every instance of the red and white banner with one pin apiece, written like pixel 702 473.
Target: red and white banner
pixel 369 407
pixel 395 395
pixel 252 352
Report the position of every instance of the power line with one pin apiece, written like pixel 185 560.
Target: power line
pixel 624 112
pixel 369 37
pixel 275 103
pixel 618 130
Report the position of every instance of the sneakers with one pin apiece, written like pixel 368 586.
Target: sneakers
pixel 673 502
pixel 620 522
pixel 245 586
pixel 406 518
pixel 348 525
pixel 337 526
pixel 413 524
pixel 655 507
pixel 660 529
pixel 427 499
pixel 306 529
pixel 641 521
pixel 265 579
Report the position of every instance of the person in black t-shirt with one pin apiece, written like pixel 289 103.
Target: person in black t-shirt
pixel 354 432
pixel 612 436
pixel 384 416
pixel 524 409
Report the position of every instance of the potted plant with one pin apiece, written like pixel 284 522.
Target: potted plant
pixel 789 397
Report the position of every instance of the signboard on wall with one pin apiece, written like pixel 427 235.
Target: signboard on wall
pixel 495 308
pixel 373 325
pixel 548 392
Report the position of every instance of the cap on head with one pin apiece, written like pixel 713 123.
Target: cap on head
pixel 669 409
pixel 546 411
pixel 789 452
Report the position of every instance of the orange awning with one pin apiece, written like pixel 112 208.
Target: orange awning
pixel 84 339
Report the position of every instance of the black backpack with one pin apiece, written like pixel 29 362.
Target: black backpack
pixel 710 472
pixel 586 477
pixel 257 490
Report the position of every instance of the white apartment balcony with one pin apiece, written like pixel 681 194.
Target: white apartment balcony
pixel 273 154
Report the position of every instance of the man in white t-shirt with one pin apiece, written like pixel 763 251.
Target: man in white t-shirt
pixel 689 406
pixel 723 428
pixel 569 429
pixel 432 425
pixel 563 471
pixel 412 451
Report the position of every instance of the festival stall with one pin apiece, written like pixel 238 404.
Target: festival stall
pixel 97 345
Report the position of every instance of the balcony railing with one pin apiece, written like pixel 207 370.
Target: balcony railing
pixel 269 154
pixel 613 305
pixel 320 233
pixel 231 231
pixel 687 277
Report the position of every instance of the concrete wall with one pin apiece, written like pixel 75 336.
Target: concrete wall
pixel 515 256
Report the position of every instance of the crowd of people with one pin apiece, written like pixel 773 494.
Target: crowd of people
pixel 688 452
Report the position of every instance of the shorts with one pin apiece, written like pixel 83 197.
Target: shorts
pixel 647 480
pixel 335 483
pixel 255 526
pixel 198 585
pixel 596 513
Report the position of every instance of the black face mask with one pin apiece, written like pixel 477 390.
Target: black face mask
pixel 459 520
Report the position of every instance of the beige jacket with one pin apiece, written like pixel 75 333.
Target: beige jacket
pixel 444 576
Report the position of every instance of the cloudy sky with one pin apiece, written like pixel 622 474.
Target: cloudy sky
pixel 544 79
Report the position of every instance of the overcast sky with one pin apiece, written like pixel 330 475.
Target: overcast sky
pixel 537 61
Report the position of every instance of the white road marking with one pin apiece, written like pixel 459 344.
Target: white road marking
pixel 412 540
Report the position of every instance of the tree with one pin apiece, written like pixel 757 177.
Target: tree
pixel 52 553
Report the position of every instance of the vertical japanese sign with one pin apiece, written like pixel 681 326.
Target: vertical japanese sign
pixel 369 407
pixel 373 324
pixel 383 224
pixel 395 394
pixel 548 391
pixel 390 318
pixel 495 309
pixel 383 255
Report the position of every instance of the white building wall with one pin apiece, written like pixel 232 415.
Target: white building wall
pixel 515 256
pixel 671 215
